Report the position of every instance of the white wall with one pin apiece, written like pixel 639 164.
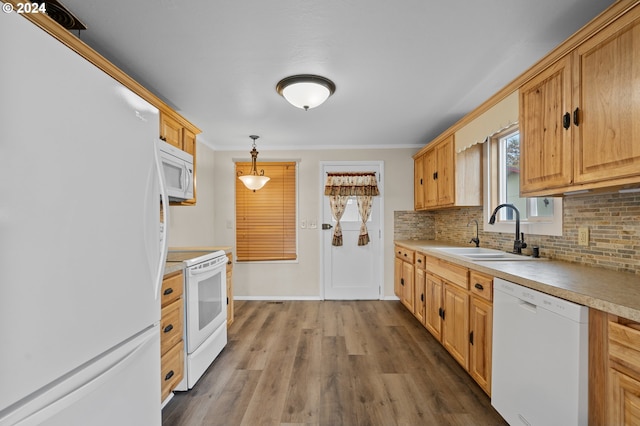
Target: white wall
pixel 194 225
pixel 302 279
pixel 207 223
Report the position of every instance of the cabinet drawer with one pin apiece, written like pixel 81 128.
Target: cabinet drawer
pixel 404 254
pixel 172 369
pixel 420 260
pixel 481 285
pixel 171 325
pixel 624 344
pixel 456 274
pixel 171 288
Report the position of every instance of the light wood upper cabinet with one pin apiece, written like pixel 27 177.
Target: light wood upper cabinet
pixel 545 139
pixel 418 182
pixel 188 141
pixel 182 137
pixel 445 172
pixel 579 117
pixel 607 137
pixel 170 131
pixel 446 179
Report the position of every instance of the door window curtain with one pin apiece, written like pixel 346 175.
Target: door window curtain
pixel 342 185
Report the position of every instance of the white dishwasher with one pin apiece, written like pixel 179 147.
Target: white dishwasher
pixel 540 357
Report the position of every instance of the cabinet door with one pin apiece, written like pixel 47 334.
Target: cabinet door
pixel 407 285
pixel 433 305
pixel 480 337
pixel 455 323
pixel 419 295
pixel 188 141
pixel 418 183
pixel 397 277
pixel 431 184
pixel 606 146
pixel 545 141
pixel 445 177
pixel 170 131
pixel 624 399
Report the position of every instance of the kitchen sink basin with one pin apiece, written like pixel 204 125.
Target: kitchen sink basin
pixel 481 253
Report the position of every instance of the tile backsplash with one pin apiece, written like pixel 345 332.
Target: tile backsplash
pixel 613 221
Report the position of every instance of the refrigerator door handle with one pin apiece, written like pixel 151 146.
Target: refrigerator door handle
pixel 164 228
pixel 89 379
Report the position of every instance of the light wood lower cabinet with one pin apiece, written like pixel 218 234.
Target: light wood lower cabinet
pixel 230 311
pixel 480 339
pixel 455 305
pixel 624 373
pixel 171 332
pixel 404 276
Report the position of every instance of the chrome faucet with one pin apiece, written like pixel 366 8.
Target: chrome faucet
pixel 518 243
pixel 475 239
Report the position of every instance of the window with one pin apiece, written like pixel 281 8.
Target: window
pixel 538 215
pixel 266 219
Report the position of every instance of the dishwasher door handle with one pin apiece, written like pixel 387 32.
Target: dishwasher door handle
pixel 527 306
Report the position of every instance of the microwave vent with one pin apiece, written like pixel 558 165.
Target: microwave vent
pixel 59 13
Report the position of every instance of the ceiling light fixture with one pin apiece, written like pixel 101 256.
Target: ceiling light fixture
pixel 305 91
pixel 254 180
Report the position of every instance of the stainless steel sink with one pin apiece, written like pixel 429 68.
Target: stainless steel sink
pixel 481 253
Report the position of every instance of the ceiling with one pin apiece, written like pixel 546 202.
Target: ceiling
pixel 405 70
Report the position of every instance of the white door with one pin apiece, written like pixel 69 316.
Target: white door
pixel 352 272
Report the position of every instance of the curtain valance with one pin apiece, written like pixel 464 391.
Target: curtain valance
pixel 351 183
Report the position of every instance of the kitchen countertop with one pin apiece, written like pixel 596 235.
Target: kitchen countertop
pixel 171 267
pixel 610 291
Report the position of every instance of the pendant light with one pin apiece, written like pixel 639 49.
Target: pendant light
pixel 305 91
pixel 254 180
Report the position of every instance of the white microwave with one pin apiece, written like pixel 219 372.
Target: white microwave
pixel 177 167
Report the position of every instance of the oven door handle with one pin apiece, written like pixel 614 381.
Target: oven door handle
pixel 210 270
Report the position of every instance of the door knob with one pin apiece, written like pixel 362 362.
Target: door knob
pixel 326 226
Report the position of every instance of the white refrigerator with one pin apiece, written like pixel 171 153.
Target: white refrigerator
pixel 81 245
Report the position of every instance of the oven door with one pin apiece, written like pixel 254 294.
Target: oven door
pixel 206 301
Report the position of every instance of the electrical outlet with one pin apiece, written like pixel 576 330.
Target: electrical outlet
pixel 313 224
pixel 303 224
pixel 583 236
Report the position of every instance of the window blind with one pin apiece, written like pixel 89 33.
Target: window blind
pixel 266 218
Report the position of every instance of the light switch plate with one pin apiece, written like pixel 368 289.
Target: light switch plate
pixel 583 236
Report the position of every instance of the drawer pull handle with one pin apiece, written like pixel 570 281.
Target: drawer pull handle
pixel 422 297
pixel 401 281
pixel 168 376
pixel 168 328
pixel 168 291
pixel 419 260
pixel 566 120
pixel 479 286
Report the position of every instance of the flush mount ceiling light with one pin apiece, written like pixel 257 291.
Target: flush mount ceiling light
pixel 254 180
pixel 305 91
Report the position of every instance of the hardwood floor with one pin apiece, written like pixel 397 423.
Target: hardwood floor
pixel 331 363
